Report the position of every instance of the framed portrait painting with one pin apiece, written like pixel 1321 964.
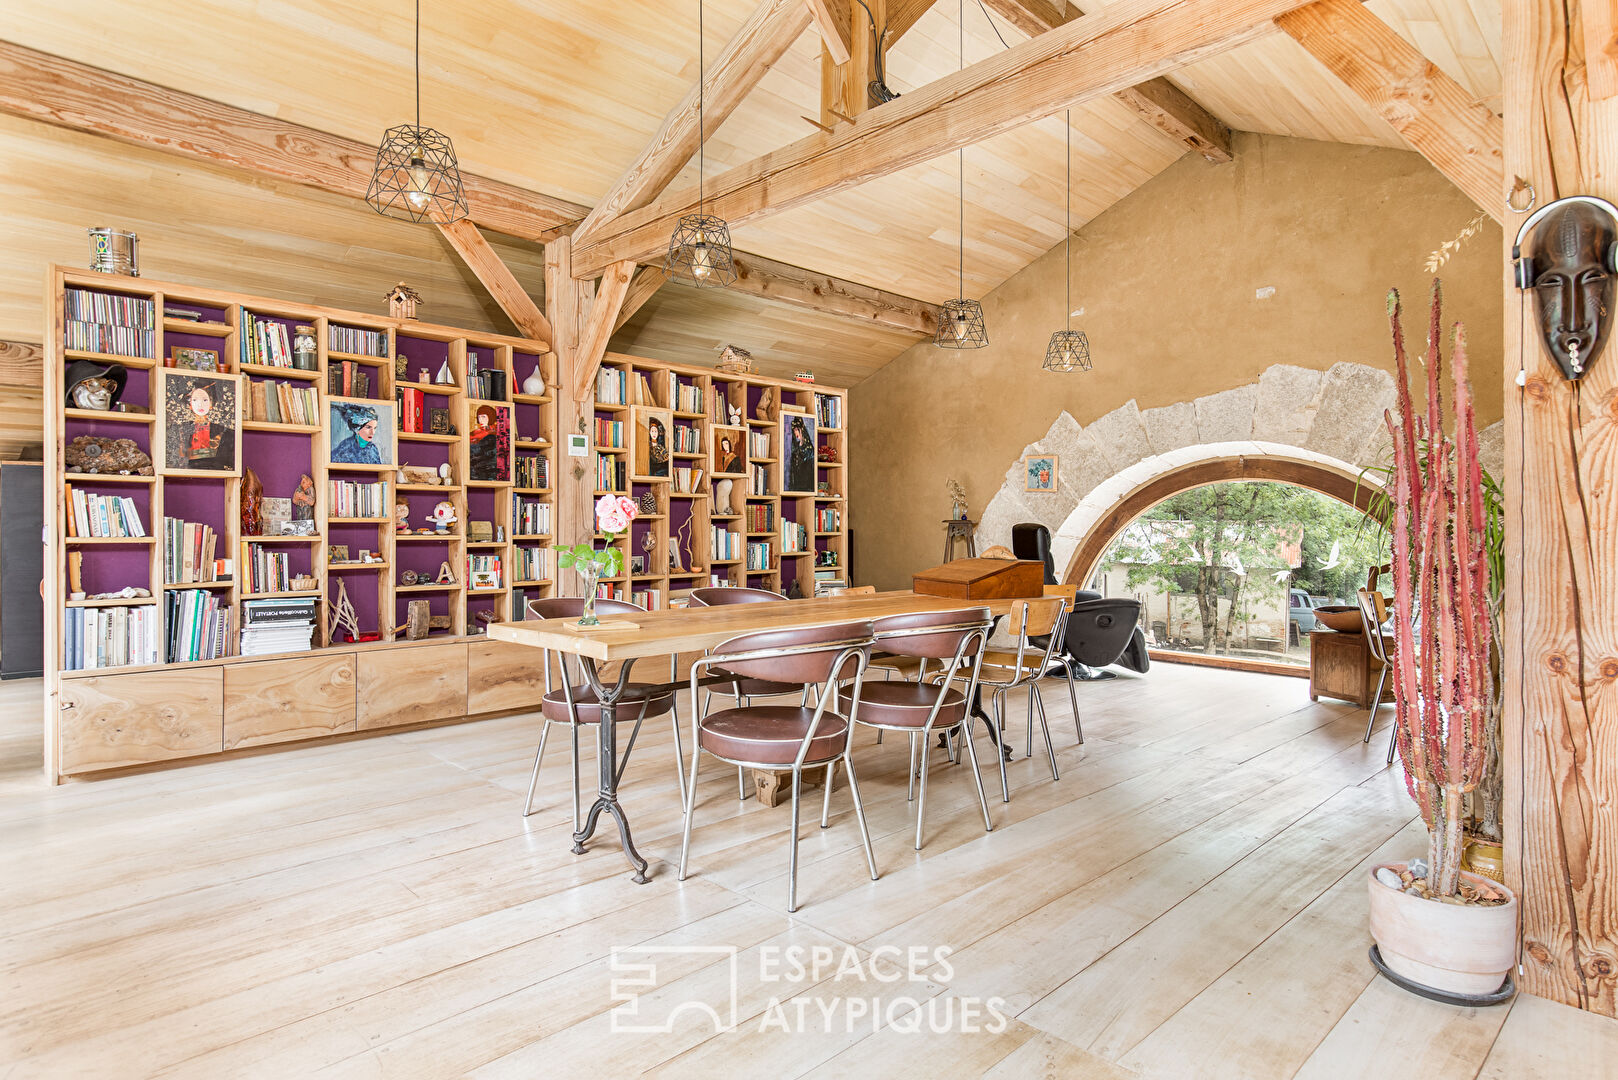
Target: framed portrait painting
pixel 652 443
pixel 1040 472
pixel 361 432
pixel 201 423
pixel 728 449
pixel 491 460
pixel 797 453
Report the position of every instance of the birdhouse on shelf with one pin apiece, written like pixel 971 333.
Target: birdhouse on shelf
pixel 402 300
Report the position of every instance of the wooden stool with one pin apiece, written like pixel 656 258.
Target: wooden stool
pixel 960 529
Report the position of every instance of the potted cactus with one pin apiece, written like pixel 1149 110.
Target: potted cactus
pixel 1439 930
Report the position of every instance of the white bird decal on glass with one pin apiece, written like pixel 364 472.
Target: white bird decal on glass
pixel 1335 557
pixel 1281 576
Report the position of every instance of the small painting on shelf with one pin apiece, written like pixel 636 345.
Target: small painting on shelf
pixel 491 443
pixel 1041 472
pixel 651 443
pixel 797 453
pixel 201 432
pixel 181 356
pixel 729 450
pixel 361 431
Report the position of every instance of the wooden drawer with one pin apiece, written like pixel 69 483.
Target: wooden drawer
pixel 275 701
pixel 411 686
pixel 501 676
pixel 111 720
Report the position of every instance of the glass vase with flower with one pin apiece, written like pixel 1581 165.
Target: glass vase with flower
pixel 613 515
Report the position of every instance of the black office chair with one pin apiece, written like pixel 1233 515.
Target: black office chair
pixel 1031 540
pixel 1098 633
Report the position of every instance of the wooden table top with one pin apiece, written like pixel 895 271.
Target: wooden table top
pixel 677 630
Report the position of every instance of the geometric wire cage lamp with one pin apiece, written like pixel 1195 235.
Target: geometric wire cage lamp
pixel 699 250
pixel 416 177
pixel 1069 350
pixel 961 324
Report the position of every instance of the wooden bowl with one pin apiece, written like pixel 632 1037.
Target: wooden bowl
pixel 1343 618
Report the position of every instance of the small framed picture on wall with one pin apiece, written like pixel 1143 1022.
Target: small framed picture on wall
pixel 181 356
pixel 1040 472
pixel 491 443
pixel 361 431
pixel 652 443
pixel 729 450
pixel 201 423
pixel 797 453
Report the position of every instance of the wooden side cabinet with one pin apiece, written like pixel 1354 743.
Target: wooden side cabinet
pixel 502 676
pixel 273 701
pixel 108 721
pixel 411 686
pixel 1341 666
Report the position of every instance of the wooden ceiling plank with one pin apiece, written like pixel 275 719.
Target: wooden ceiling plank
pixel 598 327
pixel 1431 111
pixel 486 264
pixel 648 279
pixel 54 90
pixel 1164 105
pixel 902 15
pixel 831 18
pixel 760 41
pixel 1086 58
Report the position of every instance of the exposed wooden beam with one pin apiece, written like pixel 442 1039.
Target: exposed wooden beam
pixel 1436 116
pixel 496 276
pixel 760 41
pixel 1164 105
pixel 57 91
pixel 574 481
pixel 82 98
pixel 647 281
pixel 758 276
pixel 597 329
pixel 831 18
pixel 1093 55
pixel 22 364
pixel 902 15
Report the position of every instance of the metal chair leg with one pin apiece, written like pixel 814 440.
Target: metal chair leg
pixel 977 777
pixel 679 753
pixel 533 781
pixel 741 784
pixel 1030 719
pixel 792 847
pixel 1393 741
pixel 1376 703
pixel 910 796
pixel 690 805
pixel 921 803
pixel 825 806
pixel 859 815
pixel 1073 696
pixel 998 705
pixel 1045 727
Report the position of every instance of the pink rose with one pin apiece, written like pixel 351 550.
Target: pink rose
pixel 610 516
pixel 626 506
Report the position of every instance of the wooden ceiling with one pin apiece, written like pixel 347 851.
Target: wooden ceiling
pixel 558 96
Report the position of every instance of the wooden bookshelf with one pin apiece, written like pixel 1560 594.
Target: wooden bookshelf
pixel 76 740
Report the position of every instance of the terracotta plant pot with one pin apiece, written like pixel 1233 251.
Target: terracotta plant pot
pixel 1459 949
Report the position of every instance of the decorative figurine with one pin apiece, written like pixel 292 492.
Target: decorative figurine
pixel 444 378
pixel 89 454
pixel 408 577
pixel 252 503
pixel 402 301
pixel 303 499
pixel 767 403
pixel 721 495
pixel 535 383
pixel 442 517
pixel 446 576
pixel 401 516
pixel 94 386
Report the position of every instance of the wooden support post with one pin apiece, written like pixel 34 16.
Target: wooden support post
pixel 496 276
pixel 1561 619
pixel 647 281
pixel 566 299
pixel 597 329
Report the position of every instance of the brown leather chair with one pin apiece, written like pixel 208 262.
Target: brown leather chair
pixel 956 638
pixel 784 737
pixel 574 703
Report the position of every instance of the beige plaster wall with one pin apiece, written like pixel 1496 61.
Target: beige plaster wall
pixel 1170 283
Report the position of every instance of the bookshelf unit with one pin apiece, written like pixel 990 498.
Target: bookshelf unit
pixel 697 401
pixel 139 712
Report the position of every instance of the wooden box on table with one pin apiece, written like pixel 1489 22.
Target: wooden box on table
pixel 982 579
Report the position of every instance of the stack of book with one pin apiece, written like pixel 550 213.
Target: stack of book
pixel 283 403
pixel 687 439
pixel 353 500
pixel 188 552
pixel 111 636
pixel 348 339
pixel 610 433
pixel 534 564
pixel 265 569
pixel 794 538
pixel 650 599
pixel 760 517
pixel 826 518
pixel 686 399
pixel 348 379
pixel 486 384
pixel 612 473
pixel 484 572
pixel 687 479
pixel 758 480
pixel 276 626
pixel 104 323
pixel 758 444
pixel 265 341
pixel 534 472
pixel 413 415
pixel 829 410
pixel 611 386
pixel 199 625
pixel 530 518
pixel 726 545
pixel 101 515
pixel 758 555
pixel 827 579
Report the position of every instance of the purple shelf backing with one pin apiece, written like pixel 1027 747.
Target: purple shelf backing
pixel 528 420
pixel 424 454
pixel 680 512
pixel 421 504
pixel 171 338
pixel 209 314
pixel 196 499
pixel 525 364
pixel 362 594
pixel 437 604
pixel 355 537
pixel 108 569
pixel 279 459
pixel 419 352
pixel 422 556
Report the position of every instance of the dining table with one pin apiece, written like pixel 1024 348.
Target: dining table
pixel 623 639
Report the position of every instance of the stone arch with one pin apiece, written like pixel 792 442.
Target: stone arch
pixel 1332 418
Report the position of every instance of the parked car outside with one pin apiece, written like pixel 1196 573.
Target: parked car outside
pixel 1301 610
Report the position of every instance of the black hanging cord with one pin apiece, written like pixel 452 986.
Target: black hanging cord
pixel 702 91
pixel 960 154
pixel 418 63
pixel 1067 205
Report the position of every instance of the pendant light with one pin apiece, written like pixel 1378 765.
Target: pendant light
pixel 960 324
pixel 699 250
pixel 416 176
pixel 1069 349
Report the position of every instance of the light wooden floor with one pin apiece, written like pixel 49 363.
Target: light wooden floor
pixel 1188 901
